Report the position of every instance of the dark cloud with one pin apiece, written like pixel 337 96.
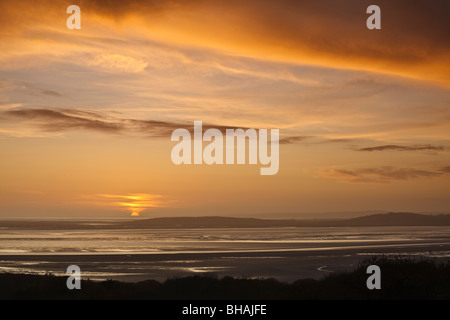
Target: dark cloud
pixel 154 128
pixel 63 120
pixel 446 169
pixel 343 140
pixel 427 147
pixel 51 93
pixel 164 129
pixel 413 40
pixel 311 139
pixel 293 139
pixel 60 120
pixel 379 175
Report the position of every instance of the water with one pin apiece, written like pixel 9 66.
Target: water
pixel 283 253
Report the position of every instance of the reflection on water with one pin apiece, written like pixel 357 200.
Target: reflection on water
pixel 283 253
pixel 155 241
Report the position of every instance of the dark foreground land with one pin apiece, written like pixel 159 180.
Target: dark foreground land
pixel 400 279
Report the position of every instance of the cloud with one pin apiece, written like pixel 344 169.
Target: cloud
pixel 384 174
pixel 312 139
pixel 446 169
pixel 427 147
pixel 49 120
pixel 225 68
pixel 61 120
pixel 119 63
pixel 293 139
pixel 412 41
pixel 51 93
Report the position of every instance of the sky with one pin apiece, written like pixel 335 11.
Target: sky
pixel 86 115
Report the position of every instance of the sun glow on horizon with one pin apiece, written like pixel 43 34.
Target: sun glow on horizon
pixel 136 203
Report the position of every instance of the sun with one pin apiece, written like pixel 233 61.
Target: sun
pixel 134 203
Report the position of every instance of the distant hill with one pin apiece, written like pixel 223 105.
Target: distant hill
pixel 209 222
pixel 387 219
pixel 401 219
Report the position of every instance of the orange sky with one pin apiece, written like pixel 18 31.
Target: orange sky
pixel 86 115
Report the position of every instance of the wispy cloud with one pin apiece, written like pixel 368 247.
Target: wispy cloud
pixel 384 174
pixel 51 93
pixel 48 120
pixel 61 120
pixel 392 147
pixel 119 63
pixel 293 139
pixel 445 169
pixel 312 140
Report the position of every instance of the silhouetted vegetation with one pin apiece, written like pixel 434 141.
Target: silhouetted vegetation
pixel 401 278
